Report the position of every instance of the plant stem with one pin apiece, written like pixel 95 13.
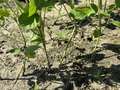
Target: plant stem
pixel 100 23
pixel 24 69
pixel 105 5
pixel 18 75
pixel 99 12
pixel 72 36
pixel 42 36
pixel 20 30
pixel 96 43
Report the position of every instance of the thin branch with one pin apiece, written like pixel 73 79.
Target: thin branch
pixel 72 36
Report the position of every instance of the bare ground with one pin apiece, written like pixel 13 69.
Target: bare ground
pixel 99 71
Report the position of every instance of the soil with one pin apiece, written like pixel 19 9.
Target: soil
pixel 84 68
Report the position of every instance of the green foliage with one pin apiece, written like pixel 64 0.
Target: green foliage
pixel 116 23
pixel 97 33
pixel 29 22
pixel 15 50
pixel 98 75
pixel 117 2
pixel 30 51
pixel 80 13
pixel 29 18
pixel 32 7
pixel 3 13
pixel 94 7
pixel 104 14
pixel 63 35
pixel 36 40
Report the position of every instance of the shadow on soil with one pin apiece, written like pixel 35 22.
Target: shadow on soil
pixel 77 74
pixel 115 16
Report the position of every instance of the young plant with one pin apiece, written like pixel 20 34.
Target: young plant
pixel 33 17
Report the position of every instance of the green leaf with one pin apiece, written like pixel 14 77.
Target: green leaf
pixel 116 23
pixel 117 2
pixel 104 14
pixel 15 50
pixel 80 13
pixel 94 7
pixel 30 51
pixel 28 22
pixel 97 33
pixel 32 7
pixel 4 13
pixel 77 15
pixel 36 40
pixel 63 35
